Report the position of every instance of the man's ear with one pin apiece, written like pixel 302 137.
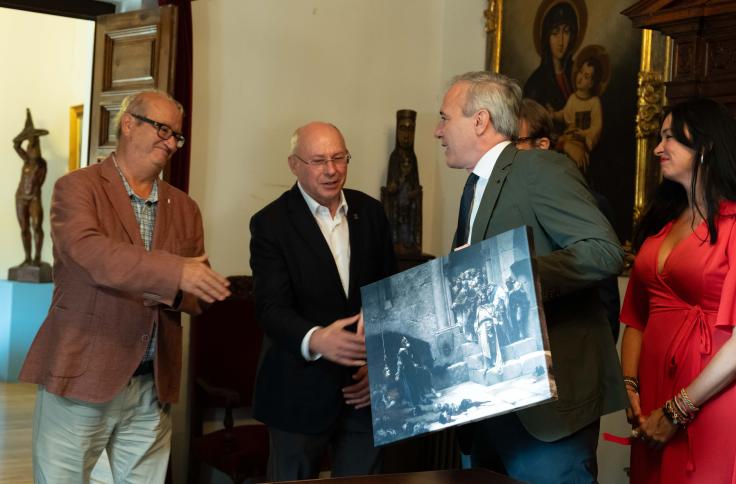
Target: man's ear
pixel 125 123
pixel 543 143
pixel 292 163
pixel 482 121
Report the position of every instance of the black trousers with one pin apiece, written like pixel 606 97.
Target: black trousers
pixel 295 456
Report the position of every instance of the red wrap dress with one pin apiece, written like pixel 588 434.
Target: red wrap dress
pixel 686 313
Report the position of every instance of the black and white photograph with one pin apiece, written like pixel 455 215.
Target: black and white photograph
pixel 457 339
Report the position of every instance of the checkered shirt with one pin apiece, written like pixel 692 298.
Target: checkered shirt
pixel 145 214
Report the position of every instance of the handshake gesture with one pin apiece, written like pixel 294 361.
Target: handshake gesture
pixel 199 279
pixel 346 348
pixel 340 345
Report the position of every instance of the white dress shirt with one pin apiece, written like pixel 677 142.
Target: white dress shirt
pixel 337 235
pixel 483 169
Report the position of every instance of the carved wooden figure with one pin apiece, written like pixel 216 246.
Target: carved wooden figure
pixel 402 195
pixel 28 207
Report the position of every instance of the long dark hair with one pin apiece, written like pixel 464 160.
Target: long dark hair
pixel 712 135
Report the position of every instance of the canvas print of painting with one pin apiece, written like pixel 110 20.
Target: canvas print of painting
pixel 457 339
pixel 580 59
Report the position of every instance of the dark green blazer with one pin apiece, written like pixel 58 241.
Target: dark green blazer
pixel 575 247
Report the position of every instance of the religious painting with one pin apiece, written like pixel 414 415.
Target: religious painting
pixel 579 59
pixel 457 339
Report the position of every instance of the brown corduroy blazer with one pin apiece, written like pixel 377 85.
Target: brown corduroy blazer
pixel 109 290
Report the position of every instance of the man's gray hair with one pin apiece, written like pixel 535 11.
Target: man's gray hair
pixel 294 141
pixel 136 103
pixel 497 94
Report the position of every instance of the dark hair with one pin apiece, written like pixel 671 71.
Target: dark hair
pixel 560 14
pixel 712 135
pixel 537 119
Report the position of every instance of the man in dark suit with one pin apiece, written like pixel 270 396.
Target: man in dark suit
pixel 128 259
pixel 311 251
pixel 575 248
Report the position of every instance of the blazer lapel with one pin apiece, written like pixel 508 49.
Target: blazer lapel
pixel 491 193
pixel 307 227
pixel 356 243
pixel 120 200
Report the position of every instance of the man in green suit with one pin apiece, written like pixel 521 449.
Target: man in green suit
pixel 575 248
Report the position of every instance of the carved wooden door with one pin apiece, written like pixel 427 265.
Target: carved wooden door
pixel 134 51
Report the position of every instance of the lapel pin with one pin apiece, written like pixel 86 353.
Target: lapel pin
pixel 355 216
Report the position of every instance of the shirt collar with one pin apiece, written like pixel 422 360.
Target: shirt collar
pixel 152 197
pixel 314 206
pixel 485 165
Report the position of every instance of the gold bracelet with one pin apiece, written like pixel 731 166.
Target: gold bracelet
pixel 687 400
pixel 682 409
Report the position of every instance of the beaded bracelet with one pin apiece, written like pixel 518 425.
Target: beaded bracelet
pixel 673 413
pixel 669 411
pixel 632 382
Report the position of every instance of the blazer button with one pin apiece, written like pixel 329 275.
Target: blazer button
pixel 144 338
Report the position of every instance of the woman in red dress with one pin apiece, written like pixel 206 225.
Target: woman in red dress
pixel 678 349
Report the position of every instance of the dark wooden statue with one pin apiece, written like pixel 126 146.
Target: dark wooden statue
pixel 402 195
pixel 28 205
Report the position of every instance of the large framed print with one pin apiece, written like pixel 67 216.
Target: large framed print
pixel 457 339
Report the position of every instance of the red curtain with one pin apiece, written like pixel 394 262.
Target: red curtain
pixel 179 164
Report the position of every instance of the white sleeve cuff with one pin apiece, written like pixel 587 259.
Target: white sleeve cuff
pixel 309 356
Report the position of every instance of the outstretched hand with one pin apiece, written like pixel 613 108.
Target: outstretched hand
pixel 199 279
pixel 339 345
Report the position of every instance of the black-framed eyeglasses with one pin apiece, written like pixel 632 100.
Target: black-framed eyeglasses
pixel 524 139
pixel 338 160
pixel 164 131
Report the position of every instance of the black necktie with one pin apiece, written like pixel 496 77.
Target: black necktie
pixel 466 204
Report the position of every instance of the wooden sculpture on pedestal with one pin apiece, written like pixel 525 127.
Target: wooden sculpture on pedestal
pixel 402 195
pixel 28 207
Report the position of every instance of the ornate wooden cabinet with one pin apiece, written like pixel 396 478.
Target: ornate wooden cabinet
pixel 703 34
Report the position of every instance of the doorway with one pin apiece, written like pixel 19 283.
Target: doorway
pixel 47 61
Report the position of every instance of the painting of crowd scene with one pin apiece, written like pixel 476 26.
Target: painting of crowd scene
pixel 457 339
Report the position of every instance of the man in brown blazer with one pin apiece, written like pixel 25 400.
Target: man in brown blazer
pixel 128 258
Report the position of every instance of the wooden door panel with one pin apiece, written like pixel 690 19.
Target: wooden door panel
pixel 134 51
pixel 133 59
pixel 106 135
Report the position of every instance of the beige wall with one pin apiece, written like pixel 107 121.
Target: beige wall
pixel 264 68
pixel 47 67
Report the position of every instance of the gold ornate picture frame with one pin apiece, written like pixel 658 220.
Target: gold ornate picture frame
pixel 76 114
pixel 654 71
